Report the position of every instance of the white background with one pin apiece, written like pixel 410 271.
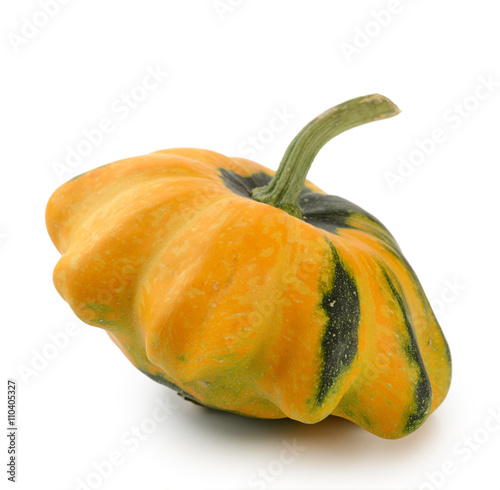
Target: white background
pixel 229 71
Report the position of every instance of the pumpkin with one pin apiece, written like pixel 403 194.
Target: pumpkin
pixel 251 291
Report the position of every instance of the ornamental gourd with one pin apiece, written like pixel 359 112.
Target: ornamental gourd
pixel 251 291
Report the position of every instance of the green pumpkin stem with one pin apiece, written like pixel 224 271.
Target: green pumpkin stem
pixel 284 189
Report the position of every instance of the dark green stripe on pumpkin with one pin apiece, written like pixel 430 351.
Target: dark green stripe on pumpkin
pixel 339 344
pixel 160 379
pixel 423 391
pixel 243 186
pixel 429 313
pixel 169 384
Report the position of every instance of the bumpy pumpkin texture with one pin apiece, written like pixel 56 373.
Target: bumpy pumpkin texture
pixel 238 304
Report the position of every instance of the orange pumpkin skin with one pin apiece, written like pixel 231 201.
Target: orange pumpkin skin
pixel 242 307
